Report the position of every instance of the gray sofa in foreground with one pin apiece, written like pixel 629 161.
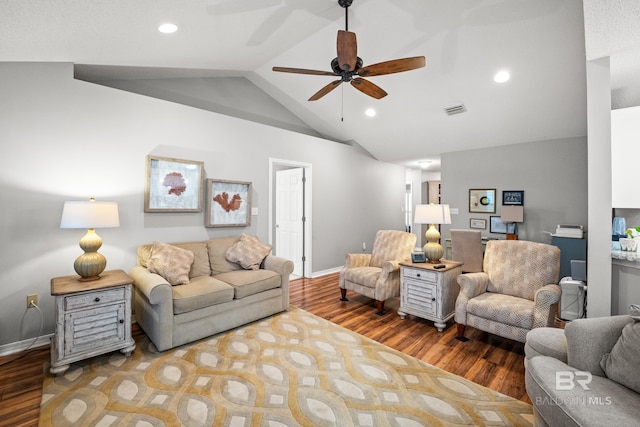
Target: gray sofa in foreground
pixel 218 294
pixel 565 378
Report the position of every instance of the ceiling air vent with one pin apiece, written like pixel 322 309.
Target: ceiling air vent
pixel 455 109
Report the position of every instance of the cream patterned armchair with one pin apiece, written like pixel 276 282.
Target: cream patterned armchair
pixel 377 275
pixel 514 293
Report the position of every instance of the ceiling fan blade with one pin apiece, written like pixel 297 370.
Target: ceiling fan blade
pixel 325 90
pixel 393 66
pixel 303 71
pixel 368 88
pixel 347 50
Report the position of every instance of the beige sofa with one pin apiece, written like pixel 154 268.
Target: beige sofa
pixel 219 295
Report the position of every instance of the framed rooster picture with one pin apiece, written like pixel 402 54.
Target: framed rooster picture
pixel 228 203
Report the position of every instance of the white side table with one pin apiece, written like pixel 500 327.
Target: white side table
pixel 428 292
pixel 92 318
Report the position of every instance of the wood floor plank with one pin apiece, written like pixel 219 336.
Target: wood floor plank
pixel 488 360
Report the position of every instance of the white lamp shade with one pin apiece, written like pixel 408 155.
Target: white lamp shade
pixel 432 214
pixel 87 214
pixel 512 214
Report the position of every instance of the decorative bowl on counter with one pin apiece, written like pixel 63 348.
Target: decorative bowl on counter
pixel 627 244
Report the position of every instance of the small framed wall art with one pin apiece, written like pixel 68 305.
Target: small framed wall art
pixel 513 198
pixel 228 203
pixel 498 227
pixel 478 223
pixel 173 185
pixel 482 200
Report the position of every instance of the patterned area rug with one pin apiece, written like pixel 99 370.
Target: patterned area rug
pixel 292 369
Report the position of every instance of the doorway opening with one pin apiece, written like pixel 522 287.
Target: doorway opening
pixel 290 213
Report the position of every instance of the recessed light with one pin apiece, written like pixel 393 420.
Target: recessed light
pixel 424 163
pixel 168 28
pixel 501 76
pixel 370 112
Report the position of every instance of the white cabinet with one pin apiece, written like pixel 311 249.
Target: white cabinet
pixel 428 292
pixel 92 318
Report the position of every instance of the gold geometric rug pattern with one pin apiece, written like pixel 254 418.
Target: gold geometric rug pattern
pixel 292 369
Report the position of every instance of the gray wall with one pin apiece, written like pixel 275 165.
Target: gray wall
pixel 553 175
pixel 64 139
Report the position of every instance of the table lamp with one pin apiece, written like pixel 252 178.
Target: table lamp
pixel 91 215
pixel 512 215
pixel 433 214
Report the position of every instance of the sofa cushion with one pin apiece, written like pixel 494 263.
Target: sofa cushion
pixel 364 276
pixel 505 309
pixel 217 249
pixel 249 252
pixel 203 291
pixel 200 266
pixel 171 262
pixel 249 282
pixel 621 365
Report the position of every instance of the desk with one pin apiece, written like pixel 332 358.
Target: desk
pixel 447 247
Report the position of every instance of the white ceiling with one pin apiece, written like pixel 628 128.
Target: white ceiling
pixel 541 43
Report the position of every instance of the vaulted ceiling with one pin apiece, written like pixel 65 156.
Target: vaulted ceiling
pixel 540 42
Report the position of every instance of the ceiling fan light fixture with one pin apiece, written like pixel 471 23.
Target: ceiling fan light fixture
pixel 370 112
pixel 167 28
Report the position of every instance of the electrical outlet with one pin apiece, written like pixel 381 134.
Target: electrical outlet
pixel 364 246
pixel 32 300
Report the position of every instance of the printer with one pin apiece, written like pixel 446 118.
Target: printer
pixel 571 231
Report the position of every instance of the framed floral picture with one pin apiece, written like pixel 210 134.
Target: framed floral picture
pixel 173 185
pixel 228 203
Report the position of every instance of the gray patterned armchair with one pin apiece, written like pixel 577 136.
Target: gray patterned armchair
pixel 514 293
pixel 377 275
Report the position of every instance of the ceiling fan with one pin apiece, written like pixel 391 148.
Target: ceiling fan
pixel 348 65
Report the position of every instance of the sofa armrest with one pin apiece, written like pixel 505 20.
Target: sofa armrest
pixel 153 302
pixel 589 339
pixel 153 286
pixel 388 284
pixel 471 285
pixel 356 260
pixel 543 299
pixel 282 266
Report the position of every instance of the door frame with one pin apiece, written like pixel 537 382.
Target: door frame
pixel 306 228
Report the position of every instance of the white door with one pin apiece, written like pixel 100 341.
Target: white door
pixel 289 217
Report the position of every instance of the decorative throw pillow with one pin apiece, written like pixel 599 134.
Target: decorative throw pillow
pixel 621 365
pixel 171 262
pixel 248 252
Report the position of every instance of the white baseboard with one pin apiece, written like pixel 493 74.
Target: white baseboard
pixel 18 346
pixel 325 272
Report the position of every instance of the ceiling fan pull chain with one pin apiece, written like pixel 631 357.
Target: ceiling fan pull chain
pixel 342 104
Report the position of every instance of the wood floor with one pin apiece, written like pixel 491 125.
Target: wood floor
pixel 485 359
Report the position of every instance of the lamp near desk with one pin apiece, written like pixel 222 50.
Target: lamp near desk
pixel 433 214
pixel 91 215
pixel 512 215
